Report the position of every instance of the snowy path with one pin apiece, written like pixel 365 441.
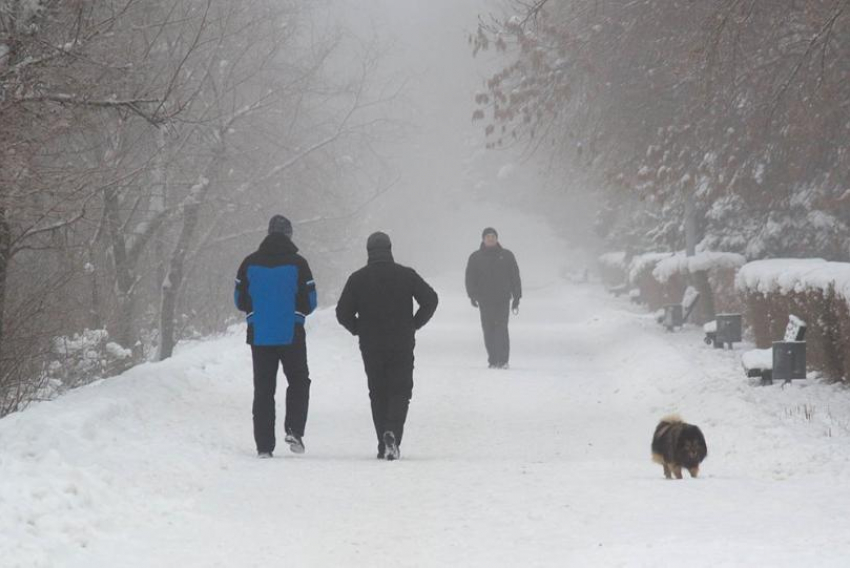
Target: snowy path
pixel 543 465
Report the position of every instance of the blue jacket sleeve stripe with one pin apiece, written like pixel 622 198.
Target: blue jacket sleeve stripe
pixel 314 298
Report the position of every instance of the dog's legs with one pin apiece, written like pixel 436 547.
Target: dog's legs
pixel 667 471
pixel 694 471
pixel 677 471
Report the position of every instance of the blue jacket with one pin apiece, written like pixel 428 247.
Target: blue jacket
pixel 275 288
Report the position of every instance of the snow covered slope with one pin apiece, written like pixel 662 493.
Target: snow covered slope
pixel 546 464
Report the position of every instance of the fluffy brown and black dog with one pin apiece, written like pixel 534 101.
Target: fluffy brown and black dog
pixel 676 445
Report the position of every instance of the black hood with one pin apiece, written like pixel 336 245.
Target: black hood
pixel 379 246
pixel 278 243
pixel 495 247
pixel 380 255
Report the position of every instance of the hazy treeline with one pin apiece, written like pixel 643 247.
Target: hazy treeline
pixel 734 114
pixel 143 146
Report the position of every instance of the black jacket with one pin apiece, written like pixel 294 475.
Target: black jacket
pixel 377 304
pixel 492 275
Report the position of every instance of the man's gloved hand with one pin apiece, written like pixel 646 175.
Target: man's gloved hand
pixel 515 306
pixel 474 302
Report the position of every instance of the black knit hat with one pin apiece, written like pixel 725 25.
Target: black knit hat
pixel 280 224
pixel 378 241
pixel 489 231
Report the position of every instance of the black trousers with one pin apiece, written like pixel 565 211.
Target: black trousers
pixel 390 375
pixel 494 322
pixel 293 357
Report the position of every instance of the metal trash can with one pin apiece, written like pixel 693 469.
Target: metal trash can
pixel 673 316
pixel 729 328
pixel 789 360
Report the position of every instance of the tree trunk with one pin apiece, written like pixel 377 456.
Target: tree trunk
pixel 705 305
pixel 124 277
pixel 5 253
pixel 176 268
pixel 690 224
pixel 95 312
pixel 159 197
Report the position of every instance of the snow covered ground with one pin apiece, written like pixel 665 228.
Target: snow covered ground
pixel 546 464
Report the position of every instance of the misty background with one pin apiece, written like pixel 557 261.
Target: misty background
pixel 450 186
pixel 145 145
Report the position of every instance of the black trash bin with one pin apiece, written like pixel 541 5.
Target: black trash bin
pixel 673 316
pixel 789 360
pixel 729 328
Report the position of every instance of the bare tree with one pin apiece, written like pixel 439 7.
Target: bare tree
pixel 243 102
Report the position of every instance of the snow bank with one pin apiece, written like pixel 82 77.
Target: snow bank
pixel 701 262
pixel 157 467
pixel 785 275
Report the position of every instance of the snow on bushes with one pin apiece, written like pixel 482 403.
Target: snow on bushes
pixel 663 276
pixel 85 357
pixel 679 263
pixel 813 289
pixel 785 275
pixel 643 263
pixel 639 274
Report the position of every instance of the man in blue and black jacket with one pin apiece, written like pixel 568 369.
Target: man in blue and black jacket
pixel 275 288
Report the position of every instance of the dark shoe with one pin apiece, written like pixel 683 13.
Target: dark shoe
pixel 264 455
pixel 381 451
pixel 391 453
pixel 296 445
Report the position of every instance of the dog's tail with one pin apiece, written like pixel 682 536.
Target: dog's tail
pixel 672 419
pixel 661 430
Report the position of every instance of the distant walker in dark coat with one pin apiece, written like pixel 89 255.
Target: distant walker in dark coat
pixel 377 306
pixel 275 289
pixel 492 279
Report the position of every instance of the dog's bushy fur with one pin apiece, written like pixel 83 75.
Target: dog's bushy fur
pixel 676 445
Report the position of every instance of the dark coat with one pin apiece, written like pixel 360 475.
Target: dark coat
pixel 377 304
pixel 275 288
pixel 492 276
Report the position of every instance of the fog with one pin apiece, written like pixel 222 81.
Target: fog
pixel 449 186
pixel 140 164
pixel 129 197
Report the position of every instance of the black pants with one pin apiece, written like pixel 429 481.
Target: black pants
pixel 390 375
pixel 293 357
pixel 494 322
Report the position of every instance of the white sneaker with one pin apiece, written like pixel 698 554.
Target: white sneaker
pixel 391 451
pixel 296 445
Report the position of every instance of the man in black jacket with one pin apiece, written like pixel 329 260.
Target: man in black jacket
pixel 275 288
pixel 377 306
pixel 492 278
